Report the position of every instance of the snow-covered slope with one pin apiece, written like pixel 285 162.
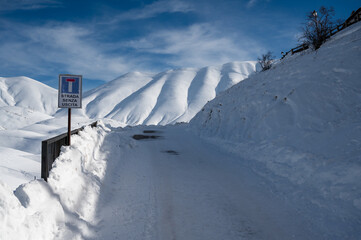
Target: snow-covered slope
pixel 27 93
pixel 301 121
pixel 168 97
pixel 24 101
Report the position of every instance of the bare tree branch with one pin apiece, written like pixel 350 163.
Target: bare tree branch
pixel 317 27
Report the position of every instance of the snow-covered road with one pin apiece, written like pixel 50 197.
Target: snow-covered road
pixel 179 187
pixel 108 186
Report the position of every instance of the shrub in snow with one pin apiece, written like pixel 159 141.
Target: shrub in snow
pixel 266 61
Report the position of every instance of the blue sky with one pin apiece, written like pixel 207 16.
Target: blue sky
pixel 102 40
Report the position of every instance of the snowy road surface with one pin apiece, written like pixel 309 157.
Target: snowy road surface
pixel 178 187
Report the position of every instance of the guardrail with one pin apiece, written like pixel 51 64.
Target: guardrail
pixel 50 150
pixel 354 18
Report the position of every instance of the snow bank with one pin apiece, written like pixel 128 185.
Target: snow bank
pixel 61 208
pixel 77 173
pixel 300 121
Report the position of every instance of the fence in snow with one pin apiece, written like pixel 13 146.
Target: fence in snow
pixel 50 150
pixel 354 18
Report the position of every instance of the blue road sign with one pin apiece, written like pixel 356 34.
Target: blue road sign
pixel 70 93
pixel 70 84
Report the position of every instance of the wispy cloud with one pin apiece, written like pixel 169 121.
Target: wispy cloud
pixel 155 8
pixel 61 48
pixel 10 5
pixel 252 3
pixel 66 48
pixel 197 46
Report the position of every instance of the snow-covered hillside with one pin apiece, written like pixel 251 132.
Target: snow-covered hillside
pixel 28 93
pixel 168 97
pixel 24 101
pixel 300 121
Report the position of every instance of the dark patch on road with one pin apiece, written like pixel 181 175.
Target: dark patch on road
pixel 142 137
pixel 171 152
pixel 151 131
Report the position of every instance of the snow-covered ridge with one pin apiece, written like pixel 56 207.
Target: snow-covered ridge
pixel 301 119
pixel 168 97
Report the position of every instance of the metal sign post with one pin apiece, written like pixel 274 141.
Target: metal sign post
pixel 70 95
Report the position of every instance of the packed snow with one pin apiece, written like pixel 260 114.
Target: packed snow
pixel 276 156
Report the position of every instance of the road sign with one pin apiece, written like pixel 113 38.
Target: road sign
pixel 70 92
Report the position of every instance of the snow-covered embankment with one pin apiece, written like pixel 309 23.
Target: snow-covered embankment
pixel 300 122
pixel 38 210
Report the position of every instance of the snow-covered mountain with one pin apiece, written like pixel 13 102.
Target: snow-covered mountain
pixel 24 101
pixel 29 112
pixel 168 97
pixel 132 99
pixel 28 93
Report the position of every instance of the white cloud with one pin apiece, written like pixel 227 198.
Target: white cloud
pixel 59 48
pixel 10 5
pixel 252 3
pixel 155 8
pixel 197 46
pixel 64 48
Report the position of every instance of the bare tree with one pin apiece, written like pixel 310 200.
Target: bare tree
pixel 318 26
pixel 266 61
